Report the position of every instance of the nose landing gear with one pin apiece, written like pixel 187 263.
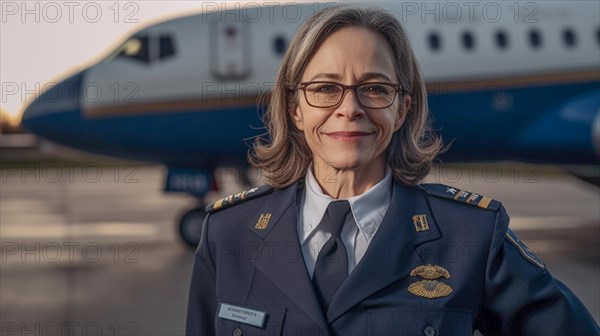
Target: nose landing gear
pixel 190 225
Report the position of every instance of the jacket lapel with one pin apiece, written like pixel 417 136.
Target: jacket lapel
pixel 391 255
pixel 281 259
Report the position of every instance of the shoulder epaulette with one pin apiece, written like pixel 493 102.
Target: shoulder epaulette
pixel 238 198
pixel 458 195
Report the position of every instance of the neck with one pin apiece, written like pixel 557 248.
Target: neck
pixel 346 183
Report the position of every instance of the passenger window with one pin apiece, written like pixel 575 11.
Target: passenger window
pixel 501 39
pixel 279 45
pixel 535 38
pixel 435 43
pixel 468 41
pixel 569 37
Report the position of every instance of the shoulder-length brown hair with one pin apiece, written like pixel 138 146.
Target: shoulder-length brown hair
pixel 285 157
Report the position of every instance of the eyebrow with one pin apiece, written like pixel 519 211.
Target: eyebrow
pixel 364 77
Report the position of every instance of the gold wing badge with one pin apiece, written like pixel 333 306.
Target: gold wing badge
pixel 430 272
pixel 430 288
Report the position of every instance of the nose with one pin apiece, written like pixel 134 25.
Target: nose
pixel 53 112
pixel 349 107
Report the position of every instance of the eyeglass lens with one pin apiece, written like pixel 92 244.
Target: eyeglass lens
pixel 373 95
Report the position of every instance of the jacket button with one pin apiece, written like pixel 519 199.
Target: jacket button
pixel 429 331
pixel 237 332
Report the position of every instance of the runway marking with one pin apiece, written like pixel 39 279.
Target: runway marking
pixel 532 223
pixel 117 229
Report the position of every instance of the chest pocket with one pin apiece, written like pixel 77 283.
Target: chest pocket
pixel 401 322
pixel 233 326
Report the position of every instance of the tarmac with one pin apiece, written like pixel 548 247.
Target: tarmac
pixel 94 250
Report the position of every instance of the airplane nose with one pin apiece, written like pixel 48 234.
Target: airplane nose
pixel 61 101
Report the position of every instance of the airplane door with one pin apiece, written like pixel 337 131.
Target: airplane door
pixel 230 47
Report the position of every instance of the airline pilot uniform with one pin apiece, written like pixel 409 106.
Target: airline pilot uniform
pixel 442 262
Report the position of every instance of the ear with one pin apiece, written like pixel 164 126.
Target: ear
pixel 401 116
pixel 297 118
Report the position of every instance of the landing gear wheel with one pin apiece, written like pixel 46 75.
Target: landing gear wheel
pixel 190 226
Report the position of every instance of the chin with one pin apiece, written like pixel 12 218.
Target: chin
pixel 348 163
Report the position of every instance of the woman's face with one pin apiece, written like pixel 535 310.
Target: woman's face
pixel 349 136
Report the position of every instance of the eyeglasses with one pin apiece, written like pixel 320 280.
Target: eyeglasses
pixel 330 94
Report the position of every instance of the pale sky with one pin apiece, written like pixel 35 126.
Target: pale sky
pixel 54 38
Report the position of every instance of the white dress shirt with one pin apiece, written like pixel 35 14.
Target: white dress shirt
pixel 368 210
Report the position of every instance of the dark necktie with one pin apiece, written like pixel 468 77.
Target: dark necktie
pixel 331 268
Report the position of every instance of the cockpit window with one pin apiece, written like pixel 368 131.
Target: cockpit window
pixel 146 48
pixel 136 48
pixel 166 46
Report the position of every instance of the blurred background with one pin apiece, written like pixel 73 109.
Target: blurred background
pixel 121 120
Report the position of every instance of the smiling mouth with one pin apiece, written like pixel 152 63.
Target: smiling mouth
pixel 348 136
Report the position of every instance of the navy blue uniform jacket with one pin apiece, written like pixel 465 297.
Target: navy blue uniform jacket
pixel 250 257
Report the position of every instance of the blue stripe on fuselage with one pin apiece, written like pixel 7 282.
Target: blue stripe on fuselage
pixel 485 125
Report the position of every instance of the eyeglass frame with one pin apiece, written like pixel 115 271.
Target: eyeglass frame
pixel 397 88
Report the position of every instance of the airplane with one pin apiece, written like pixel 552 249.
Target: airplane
pixel 514 81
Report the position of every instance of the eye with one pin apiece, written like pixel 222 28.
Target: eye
pixel 323 88
pixel 376 89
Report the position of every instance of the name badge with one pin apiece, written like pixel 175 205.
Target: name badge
pixel 242 315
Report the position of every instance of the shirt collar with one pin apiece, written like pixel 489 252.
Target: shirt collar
pixel 368 208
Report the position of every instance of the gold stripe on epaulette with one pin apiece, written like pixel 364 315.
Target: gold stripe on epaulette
pixel 485 202
pixel 218 204
pixel 459 194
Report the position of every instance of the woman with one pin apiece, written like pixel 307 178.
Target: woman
pixel 344 241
